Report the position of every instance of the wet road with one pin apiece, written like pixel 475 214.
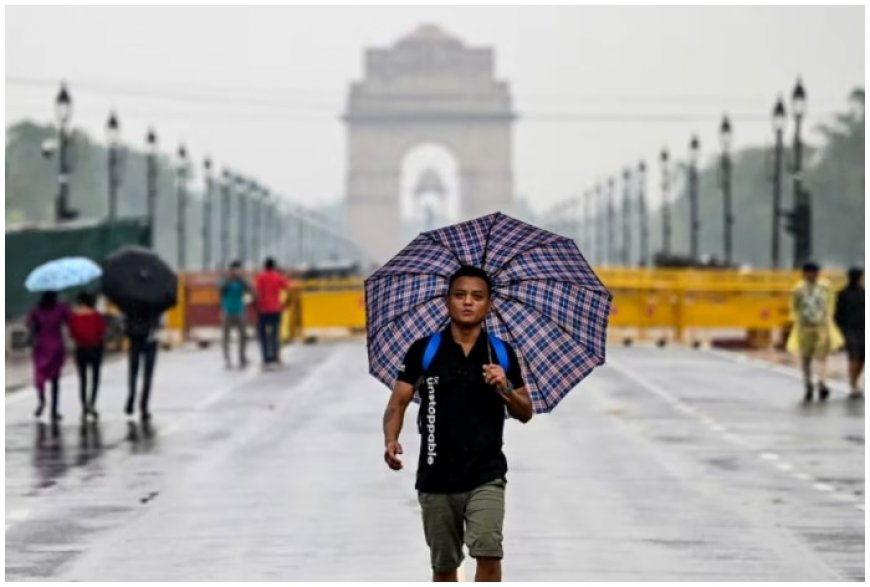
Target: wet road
pixel 667 464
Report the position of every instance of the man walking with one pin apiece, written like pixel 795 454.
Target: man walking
pixel 141 329
pixel 813 334
pixel 233 289
pixel 461 471
pixel 270 284
pixel 849 316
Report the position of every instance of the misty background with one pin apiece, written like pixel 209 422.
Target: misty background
pixel 596 89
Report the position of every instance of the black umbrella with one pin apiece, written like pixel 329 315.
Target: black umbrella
pixel 136 280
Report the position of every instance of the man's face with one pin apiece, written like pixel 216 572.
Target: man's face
pixel 811 276
pixel 236 272
pixel 468 301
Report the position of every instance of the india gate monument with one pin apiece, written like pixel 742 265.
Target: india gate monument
pixel 429 140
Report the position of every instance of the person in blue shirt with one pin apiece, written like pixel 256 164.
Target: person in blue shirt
pixel 233 289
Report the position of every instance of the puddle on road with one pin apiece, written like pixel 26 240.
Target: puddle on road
pixel 724 463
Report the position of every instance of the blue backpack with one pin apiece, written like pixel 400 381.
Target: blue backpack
pixel 497 344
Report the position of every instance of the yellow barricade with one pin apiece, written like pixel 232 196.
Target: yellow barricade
pixel 666 300
pixel 680 299
pixel 332 306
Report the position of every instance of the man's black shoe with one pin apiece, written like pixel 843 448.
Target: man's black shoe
pixel 808 396
pixel 824 392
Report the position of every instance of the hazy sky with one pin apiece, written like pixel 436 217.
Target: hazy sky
pixel 262 89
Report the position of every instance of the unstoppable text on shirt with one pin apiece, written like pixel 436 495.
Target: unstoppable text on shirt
pixel 431 382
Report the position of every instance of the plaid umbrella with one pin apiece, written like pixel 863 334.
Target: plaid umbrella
pixel 546 301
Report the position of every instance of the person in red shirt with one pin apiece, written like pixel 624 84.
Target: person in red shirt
pixel 87 328
pixel 270 284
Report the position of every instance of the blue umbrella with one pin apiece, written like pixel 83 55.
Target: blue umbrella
pixel 547 301
pixel 62 273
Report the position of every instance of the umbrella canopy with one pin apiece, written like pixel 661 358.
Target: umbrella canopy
pixel 136 280
pixel 546 301
pixel 62 273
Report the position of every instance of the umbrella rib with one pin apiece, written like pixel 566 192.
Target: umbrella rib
pixel 537 246
pixel 449 250
pixel 517 351
pixel 537 313
pixel 598 288
pixel 486 243
pixel 399 316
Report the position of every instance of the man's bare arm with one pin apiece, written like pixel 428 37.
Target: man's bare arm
pixel 519 404
pixel 394 416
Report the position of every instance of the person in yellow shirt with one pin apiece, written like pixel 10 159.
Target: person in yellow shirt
pixel 814 335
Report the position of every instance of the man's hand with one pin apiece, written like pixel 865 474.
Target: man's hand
pixel 518 401
pixel 391 451
pixel 495 375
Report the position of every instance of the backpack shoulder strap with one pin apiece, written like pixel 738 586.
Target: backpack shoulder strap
pixel 500 352
pixel 431 349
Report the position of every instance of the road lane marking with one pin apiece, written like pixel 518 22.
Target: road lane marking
pixel 212 399
pixel 16 516
pixel 841 496
pixel 767 456
pixel 793 372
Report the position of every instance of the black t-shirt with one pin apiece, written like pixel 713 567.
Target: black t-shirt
pixel 849 314
pixel 461 418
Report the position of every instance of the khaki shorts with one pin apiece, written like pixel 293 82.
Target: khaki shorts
pixel 476 516
pixel 813 342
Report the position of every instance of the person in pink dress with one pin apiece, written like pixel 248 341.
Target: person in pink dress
pixel 45 322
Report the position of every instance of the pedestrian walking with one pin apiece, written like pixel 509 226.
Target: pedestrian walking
pixel 270 285
pixel 512 319
pixel 461 473
pixel 141 330
pixel 813 336
pixel 849 316
pixel 87 328
pixel 233 289
pixel 45 323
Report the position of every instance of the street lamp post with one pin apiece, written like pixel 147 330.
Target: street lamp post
pixel 778 128
pixel 587 224
pixel 257 221
pixel 694 221
pixel 181 220
pixel 113 133
pixel 275 218
pixel 243 220
pixel 267 213
pixel 63 113
pixel 626 217
pixel 802 212
pixel 225 217
pixel 300 235
pixel 611 221
pixel 725 135
pixel 666 203
pixel 600 219
pixel 151 185
pixel 642 213
pixel 206 215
